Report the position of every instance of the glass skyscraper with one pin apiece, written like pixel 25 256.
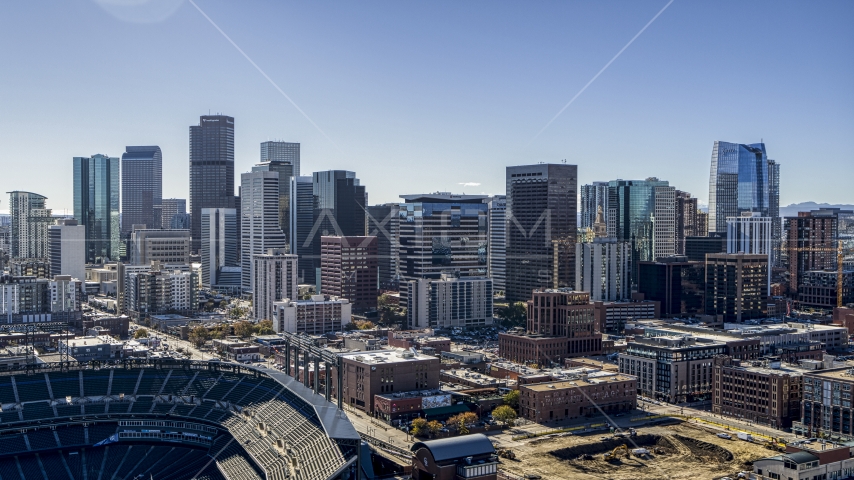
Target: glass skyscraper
pixel 142 188
pixel 742 179
pixel 96 205
pixel 211 169
pixel 593 196
pixel 301 221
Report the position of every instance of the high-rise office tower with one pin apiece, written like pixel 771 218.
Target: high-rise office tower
pixel 442 232
pixel 687 220
pixel 282 158
pixel 736 286
pixel 96 205
pixel 602 267
pixel 219 251
pixel 643 212
pixel 301 222
pixel 286 152
pixel 211 168
pixel 774 212
pixel 348 269
pixel 497 245
pixel 541 228
pixel 384 223
pixel 67 248
pixel 812 240
pixel 172 213
pixel 142 188
pixel 259 217
pixel 448 301
pixel 593 197
pixel 676 282
pixel 742 180
pixel 30 219
pixel 169 247
pixel 751 233
pixel 274 278
pixel 339 209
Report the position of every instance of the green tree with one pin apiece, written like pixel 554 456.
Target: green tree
pixel 140 333
pixel 209 306
pixel 462 421
pixel 505 414
pixel 514 315
pixel 264 327
pixel 243 329
pixel 419 427
pixel 198 336
pixel 512 399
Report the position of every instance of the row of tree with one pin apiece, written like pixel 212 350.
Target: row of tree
pixel 243 329
pixel 462 422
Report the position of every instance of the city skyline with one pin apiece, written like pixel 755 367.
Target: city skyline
pixel 376 122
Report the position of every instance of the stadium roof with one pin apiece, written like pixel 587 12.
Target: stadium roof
pixel 457 447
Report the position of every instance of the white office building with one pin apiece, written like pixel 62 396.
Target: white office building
pixel 259 217
pixel 321 314
pixel 497 245
pixel 603 268
pixel 751 233
pixel 67 249
pixel 274 278
pixel 449 301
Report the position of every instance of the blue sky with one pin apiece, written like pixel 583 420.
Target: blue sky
pixel 427 96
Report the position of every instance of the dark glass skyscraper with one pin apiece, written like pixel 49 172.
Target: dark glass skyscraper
pixel 142 188
pixel 211 168
pixel 541 228
pixel 339 209
pixel 96 205
pixel 740 181
pixel 301 220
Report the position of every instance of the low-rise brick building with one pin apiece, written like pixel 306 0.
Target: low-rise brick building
pixel 760 391
pixel 571 399
pixel 367 374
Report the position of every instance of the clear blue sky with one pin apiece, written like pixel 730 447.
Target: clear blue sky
pixel 425 96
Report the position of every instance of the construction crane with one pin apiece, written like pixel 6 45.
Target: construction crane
pixel 839 282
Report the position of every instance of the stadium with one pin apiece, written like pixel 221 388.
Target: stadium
pixel 159 420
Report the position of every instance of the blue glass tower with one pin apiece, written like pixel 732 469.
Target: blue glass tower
pixel 740 181
pixel 96 205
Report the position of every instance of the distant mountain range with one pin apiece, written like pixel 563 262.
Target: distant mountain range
pixel 793 209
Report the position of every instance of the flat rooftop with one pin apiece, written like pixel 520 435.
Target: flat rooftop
pixel 374 357
pixel 544 387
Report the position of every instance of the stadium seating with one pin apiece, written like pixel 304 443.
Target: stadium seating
pixel 153 391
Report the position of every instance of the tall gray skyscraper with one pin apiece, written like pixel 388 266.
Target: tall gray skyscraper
pixel 593 196
pixel 259 217
pixel 497 247
pixel 282 158
pixel 301 222
pixel 30 219
pixel 219 251
pixel 542 207
pixel 211 168
pixel 285 152
pixel 142 188
pixel 67 249
pixel 173 213
pixel 339 210
pixel 742 179
pixel 96 205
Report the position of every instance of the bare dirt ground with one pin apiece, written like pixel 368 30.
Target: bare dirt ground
pixel 686 451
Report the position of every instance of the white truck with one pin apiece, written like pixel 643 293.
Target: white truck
pixel 745 436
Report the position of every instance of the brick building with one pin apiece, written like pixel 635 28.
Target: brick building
pixel 764 392
pixel 367 374
pixel 572 399
pixel 561 324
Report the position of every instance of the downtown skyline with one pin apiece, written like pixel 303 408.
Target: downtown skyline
pixel 659 106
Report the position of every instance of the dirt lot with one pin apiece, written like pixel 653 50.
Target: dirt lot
pixel 686 451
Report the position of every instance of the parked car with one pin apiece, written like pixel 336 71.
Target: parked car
pixel 725 435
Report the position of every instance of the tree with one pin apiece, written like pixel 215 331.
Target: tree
pixel 140 333
pixel 504 414
pixel 209 306
pixel 419 427
pixel 264 327
pixel 389 310
pixel 515 315
pixel 433 427
pixel 198 336
pixel 512 399
pixel 243 329
pixel 462 421
pixel 364 324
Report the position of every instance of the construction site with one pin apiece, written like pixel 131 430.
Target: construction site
pixel 679 450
